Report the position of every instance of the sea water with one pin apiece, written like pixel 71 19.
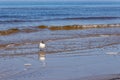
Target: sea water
pixel 69 54
pixel 27 14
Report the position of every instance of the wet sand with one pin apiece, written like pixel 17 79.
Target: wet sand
pixel 79 54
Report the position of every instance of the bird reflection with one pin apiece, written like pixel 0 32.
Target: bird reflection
pixel 42 57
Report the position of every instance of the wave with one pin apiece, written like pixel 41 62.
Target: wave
pixel 38 20
pixel 17 21
pixel 78 27
pixel 86 18
pixel 82 18
pixel 53 28
pixel 16 30
pixel 11 21
pixel 11 16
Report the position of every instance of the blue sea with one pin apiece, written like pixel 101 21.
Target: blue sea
pixel 26 14
pixel 78 53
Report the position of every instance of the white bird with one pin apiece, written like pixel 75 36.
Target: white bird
pixel 42 45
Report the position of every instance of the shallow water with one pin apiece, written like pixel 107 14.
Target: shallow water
pixel 69 55
pixel 78 54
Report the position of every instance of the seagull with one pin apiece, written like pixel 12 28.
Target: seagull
pixel 42 45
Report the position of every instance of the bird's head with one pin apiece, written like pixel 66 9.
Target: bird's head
pixel 42 41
